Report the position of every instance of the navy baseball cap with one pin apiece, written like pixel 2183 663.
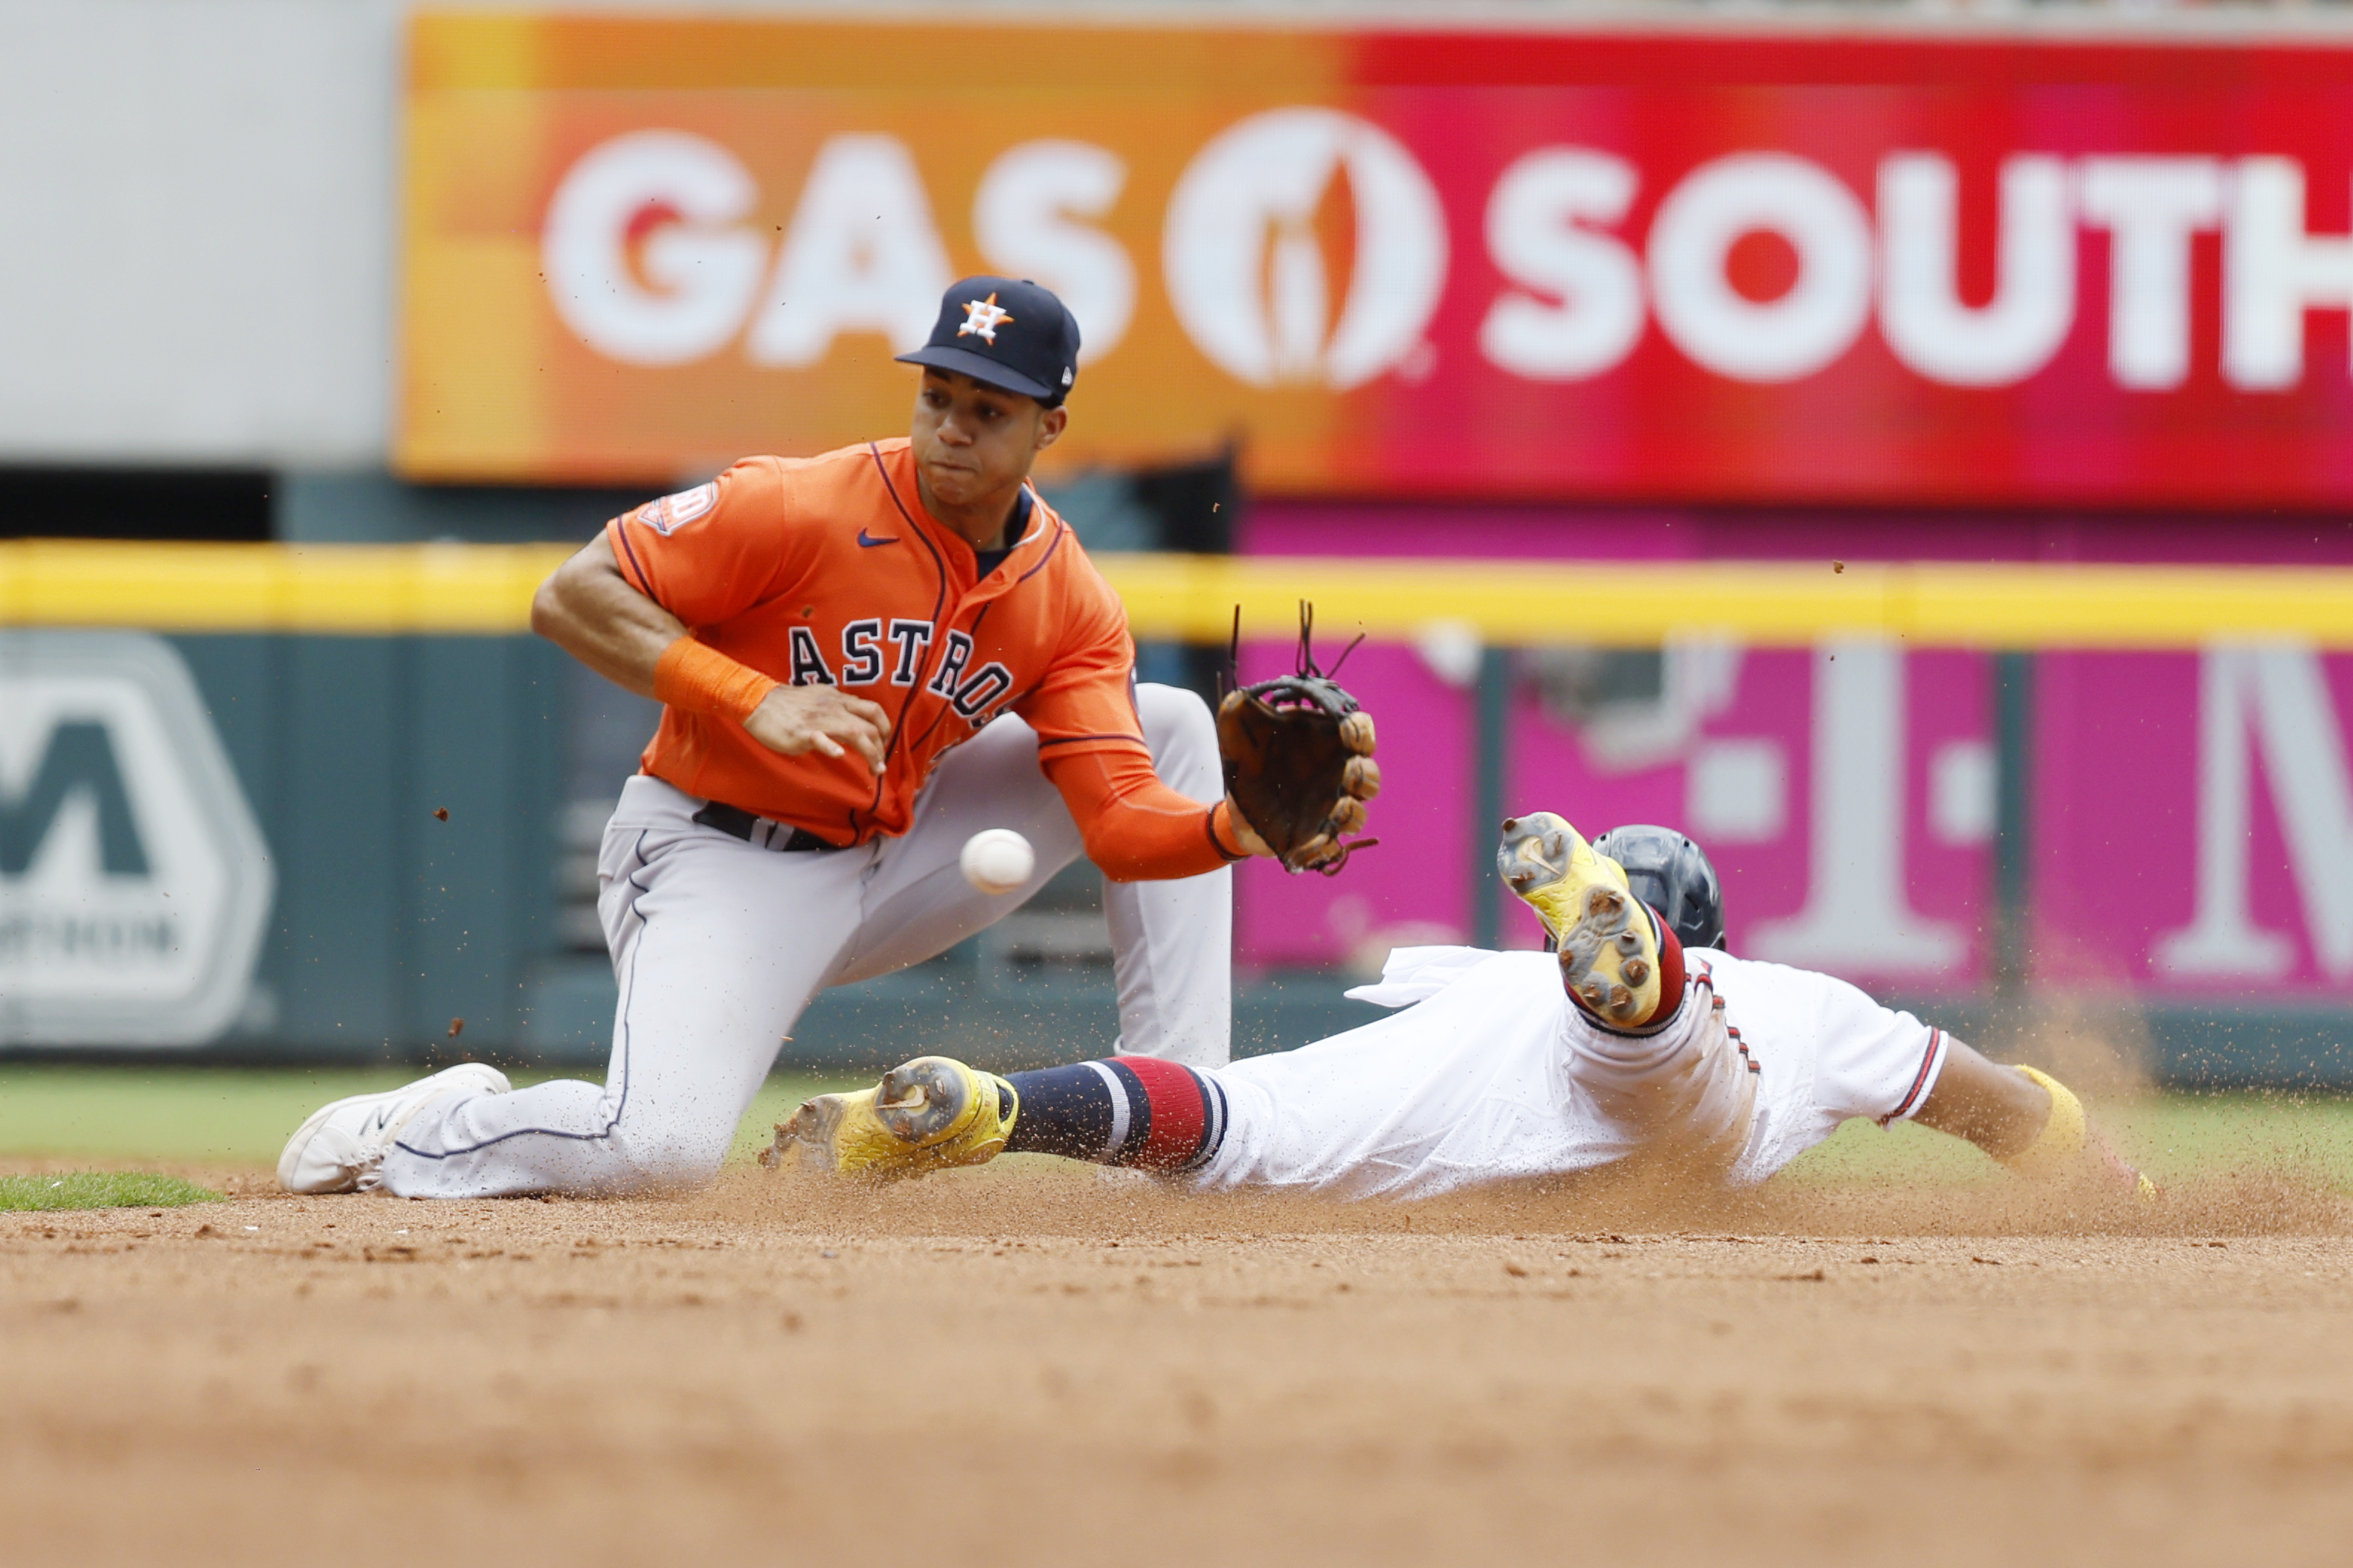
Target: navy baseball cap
pixel 1007 332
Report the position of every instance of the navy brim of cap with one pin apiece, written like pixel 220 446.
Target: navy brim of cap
pixel 980 367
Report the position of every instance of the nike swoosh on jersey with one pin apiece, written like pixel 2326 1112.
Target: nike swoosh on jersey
pixel 867 542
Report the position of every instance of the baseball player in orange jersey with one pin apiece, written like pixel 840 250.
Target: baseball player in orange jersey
pixel 863 658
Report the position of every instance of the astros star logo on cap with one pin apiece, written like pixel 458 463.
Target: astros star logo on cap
pixel 983 317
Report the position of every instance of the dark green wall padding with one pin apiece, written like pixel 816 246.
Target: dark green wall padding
pixel 389 922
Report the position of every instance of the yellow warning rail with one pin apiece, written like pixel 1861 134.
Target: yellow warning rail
pixel 336 589
pixel 453 589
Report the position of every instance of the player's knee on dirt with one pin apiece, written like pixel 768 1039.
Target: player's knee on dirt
pixel 671 1157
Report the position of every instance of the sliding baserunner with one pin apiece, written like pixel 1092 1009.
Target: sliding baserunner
pixel 1631 1040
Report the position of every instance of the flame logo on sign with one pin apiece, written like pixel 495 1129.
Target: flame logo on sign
pixel 1247 270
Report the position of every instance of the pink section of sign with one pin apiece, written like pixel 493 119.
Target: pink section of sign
pixel 2158 865
pixel 1413 888
pixel 1678 534
pixel 2191 814
pixel 1724 752
pixel 2116 812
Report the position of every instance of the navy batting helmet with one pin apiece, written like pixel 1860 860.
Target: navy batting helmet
pixel 1671 873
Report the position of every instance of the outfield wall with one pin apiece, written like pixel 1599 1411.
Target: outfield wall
pixel 2147 815
pixel 386 921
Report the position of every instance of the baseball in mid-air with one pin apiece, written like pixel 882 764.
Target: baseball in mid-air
pixel 997 860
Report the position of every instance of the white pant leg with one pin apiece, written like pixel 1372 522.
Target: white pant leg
pixel 1172 941
pixel 915 903
pixel 718 945
pixel 1469 1086
pixel 1493 1074
pixel 1686 1092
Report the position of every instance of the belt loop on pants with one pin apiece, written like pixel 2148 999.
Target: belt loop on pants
pixel 759 831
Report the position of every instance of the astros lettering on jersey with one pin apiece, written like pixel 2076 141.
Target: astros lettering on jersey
pixel 828 570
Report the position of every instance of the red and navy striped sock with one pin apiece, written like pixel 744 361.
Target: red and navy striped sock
pixel 1122 1111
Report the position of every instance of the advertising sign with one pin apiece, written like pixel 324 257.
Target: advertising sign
pixel 2191 814
pixel 133 884
pixel 1389 263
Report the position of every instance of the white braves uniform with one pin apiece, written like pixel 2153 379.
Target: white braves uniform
pixel 719 945
pixel 1489 1072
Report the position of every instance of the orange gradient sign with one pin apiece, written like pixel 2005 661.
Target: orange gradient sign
pixel 639 250
pixel 1391 263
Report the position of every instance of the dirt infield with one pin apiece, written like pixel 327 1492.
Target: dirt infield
pixel 1030 1364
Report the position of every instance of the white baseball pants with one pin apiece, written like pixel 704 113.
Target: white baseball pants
pixel 718 946
pixel 1488 1073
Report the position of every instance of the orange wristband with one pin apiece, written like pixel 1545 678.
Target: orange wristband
pixel 1222 812
pixel 702 679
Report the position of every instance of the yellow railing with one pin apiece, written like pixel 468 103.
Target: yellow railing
pixel 486 589
pixel 346 589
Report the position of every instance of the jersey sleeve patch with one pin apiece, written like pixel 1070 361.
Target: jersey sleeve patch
pixel 675 512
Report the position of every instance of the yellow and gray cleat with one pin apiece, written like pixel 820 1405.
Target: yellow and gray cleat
pixel 925 1115
pixel 1609 948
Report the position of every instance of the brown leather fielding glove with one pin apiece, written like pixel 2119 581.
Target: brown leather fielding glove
pixel 1299 764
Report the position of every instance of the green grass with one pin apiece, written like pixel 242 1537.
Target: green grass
pixel 209 1116
pixel 2171 1136
pixel 229 1117
pixel 100 1190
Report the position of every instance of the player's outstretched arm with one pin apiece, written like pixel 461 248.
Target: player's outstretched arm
pixel 2027 1120
pixel 1138 830
pixel 587 608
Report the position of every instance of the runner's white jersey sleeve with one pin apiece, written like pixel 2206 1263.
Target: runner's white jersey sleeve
pixel 1413 974
pixel 1825 1053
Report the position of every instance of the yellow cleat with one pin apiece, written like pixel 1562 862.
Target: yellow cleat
pixel 1609 948
pixel 925 1115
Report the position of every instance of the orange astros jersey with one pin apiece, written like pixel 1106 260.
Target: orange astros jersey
pixel 829 569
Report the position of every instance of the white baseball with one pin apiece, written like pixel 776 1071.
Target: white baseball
pixel 998 860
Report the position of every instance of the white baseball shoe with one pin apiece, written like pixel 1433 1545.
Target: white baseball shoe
pixel 341 1148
